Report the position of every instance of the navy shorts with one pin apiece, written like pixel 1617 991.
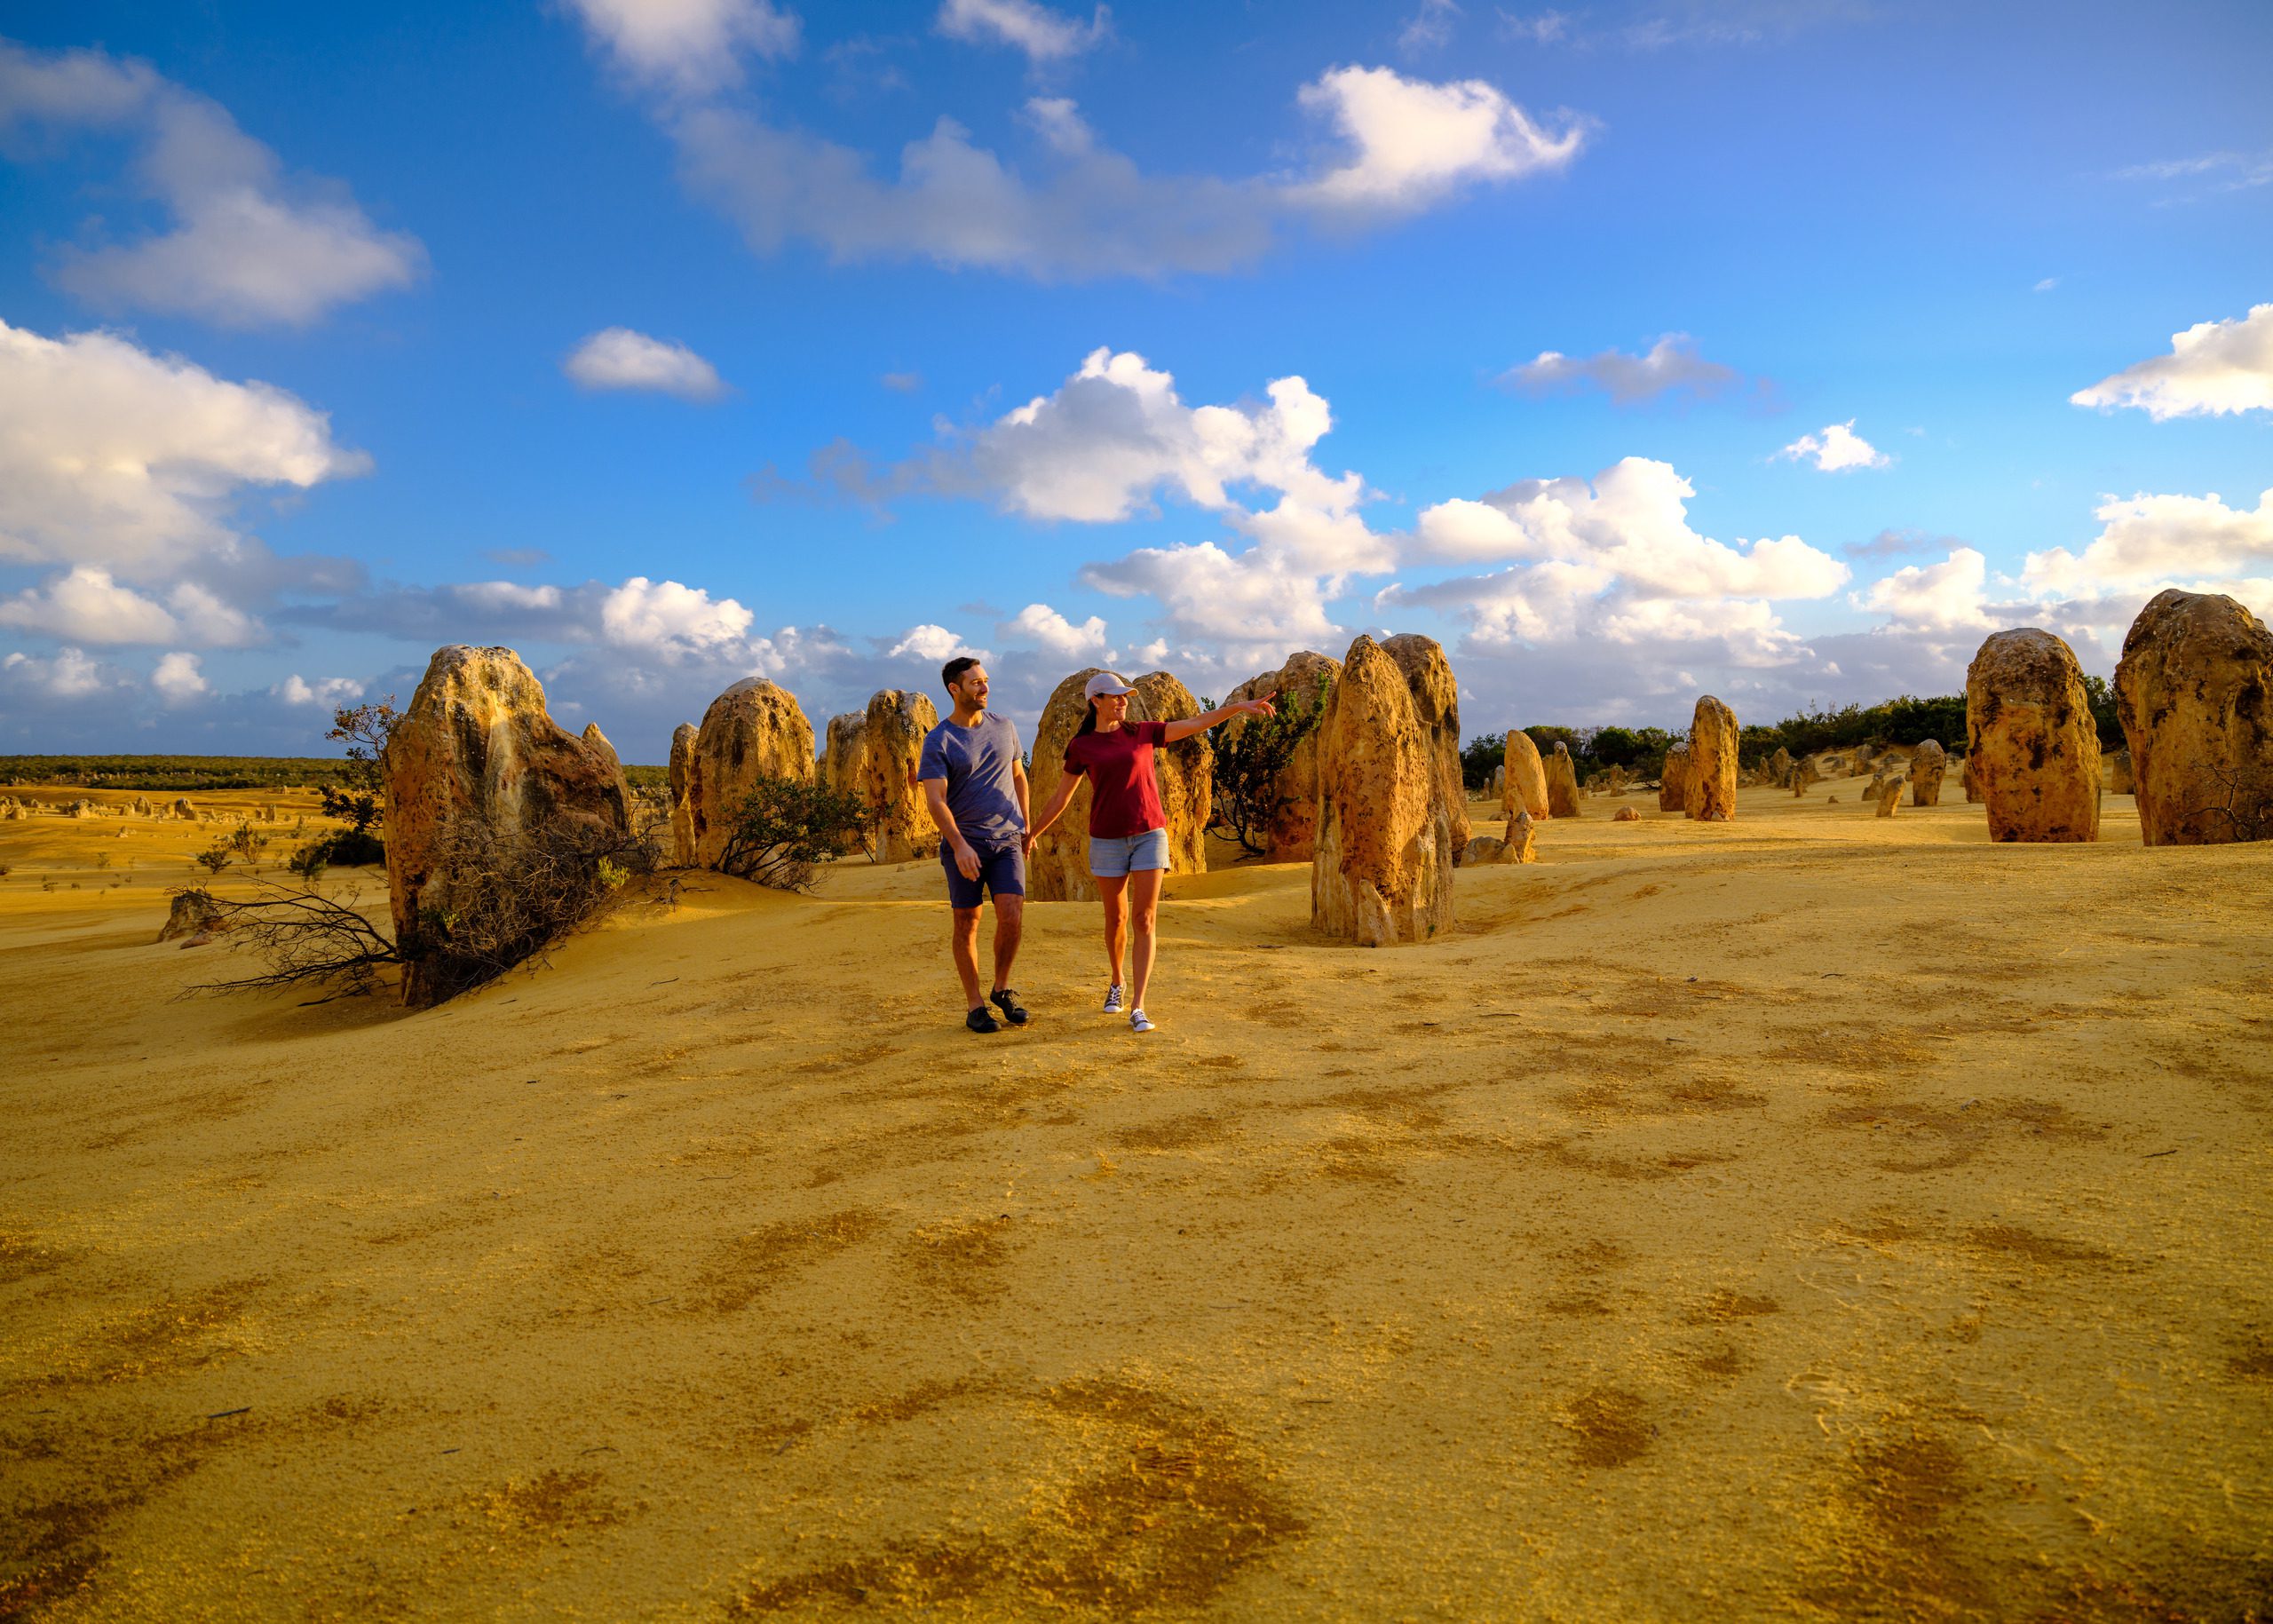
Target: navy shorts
pixel 1001 870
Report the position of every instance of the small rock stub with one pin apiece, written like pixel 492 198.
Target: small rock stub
pixel 475 742
pixel 1711 794
pixel 2194 691
pixel 1562 783
pixel 1928 764
pixel 892 735
pixel 1524 788
pixel 1518 844
pixel 1382 873
pixel 2031 744
pixel 754 728
pixel 1626 814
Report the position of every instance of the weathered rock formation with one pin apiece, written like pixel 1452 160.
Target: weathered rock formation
pixel 475 742
pixel 1436 705
pixel 1928 762
pixel 1516 845
pixel 1672 784
pixel 1058 870
pixel 679 779
pixel 1626 814
pixel 194 914
pixel 2195 693
pixel 185 811
pixel 1483 849
pixel 1777 769
pixel 2115 770
pixel 893 738
pixel 1499 783
pixel 1562 783
pixel 1711 794
pixel 2031 742
pixel 1301 684
pixel 1383 870
pixel 1525 789
pixel 1888 794
pixel 755 729
pixel 1972 785
pixel 845 753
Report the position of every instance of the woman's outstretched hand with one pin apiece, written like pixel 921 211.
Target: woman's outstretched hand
pixel 1259 707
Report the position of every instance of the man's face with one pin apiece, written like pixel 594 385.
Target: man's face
pixel 970 688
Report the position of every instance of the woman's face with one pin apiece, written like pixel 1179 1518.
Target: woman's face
pixel 1111 707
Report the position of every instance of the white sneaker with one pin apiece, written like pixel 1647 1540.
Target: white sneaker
pixel 1112 999
pixel 1138 1021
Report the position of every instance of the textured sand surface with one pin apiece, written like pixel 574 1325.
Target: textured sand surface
pixel 1810 1216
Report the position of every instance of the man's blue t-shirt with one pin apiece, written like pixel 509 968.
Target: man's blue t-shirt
pixel 979 763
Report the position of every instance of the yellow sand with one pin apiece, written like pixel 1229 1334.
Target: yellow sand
pixel 1816 1217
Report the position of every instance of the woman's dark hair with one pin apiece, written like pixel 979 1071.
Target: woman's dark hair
pixel 1089 719
pixel 952 672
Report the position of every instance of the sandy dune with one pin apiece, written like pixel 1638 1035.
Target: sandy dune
pixel 1813 1216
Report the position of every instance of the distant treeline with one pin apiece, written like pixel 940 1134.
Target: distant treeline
pixel 1642 750
pixel 208 772
pixel 170 771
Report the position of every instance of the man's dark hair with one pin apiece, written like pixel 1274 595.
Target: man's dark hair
pixel 952 672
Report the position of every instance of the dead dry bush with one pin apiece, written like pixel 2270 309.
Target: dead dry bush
pixel 510 897
pixel 302 937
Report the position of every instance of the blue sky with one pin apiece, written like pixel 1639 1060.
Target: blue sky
pixel 673 340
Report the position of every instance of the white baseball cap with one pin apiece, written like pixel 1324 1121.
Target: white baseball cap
pixel 1105 683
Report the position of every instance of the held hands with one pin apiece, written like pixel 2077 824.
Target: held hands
pixel 966 861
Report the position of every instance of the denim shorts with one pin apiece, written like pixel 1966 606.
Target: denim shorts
pixel 1001 870
pixel 1115 857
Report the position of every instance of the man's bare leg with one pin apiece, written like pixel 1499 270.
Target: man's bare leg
pixel 1116 924
pixel 1144 912
pixel 1009 926
pixel 964 940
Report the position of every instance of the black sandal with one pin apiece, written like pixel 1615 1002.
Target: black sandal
pixel 979 1020
pixel 1007 1000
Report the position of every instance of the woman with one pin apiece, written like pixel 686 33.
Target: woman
pixel 1128 836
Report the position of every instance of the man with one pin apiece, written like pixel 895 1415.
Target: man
pixel 976 785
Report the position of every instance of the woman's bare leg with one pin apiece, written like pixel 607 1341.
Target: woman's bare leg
pixel 1144 910
pixel 1116 924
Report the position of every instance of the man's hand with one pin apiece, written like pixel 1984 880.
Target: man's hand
pixel 966 861
pixel 1025 844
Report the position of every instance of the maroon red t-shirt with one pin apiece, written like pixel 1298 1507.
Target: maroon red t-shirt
pixel 1124 794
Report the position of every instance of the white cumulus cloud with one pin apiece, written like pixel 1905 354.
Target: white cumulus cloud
pixel 1835 449
pixel 1412 142
pixel 690 47
pixel 68 675
pixel 929 642
pixel 250 245
pixel 1045 35
pixel 1039 626
pixel 113 456
pixel 177 681
pixel 1612 558
pixel 618 357
pixel 2147 542
pixel 670 622
pixel 2213 368
pixel 325 694
pixel 1946 596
